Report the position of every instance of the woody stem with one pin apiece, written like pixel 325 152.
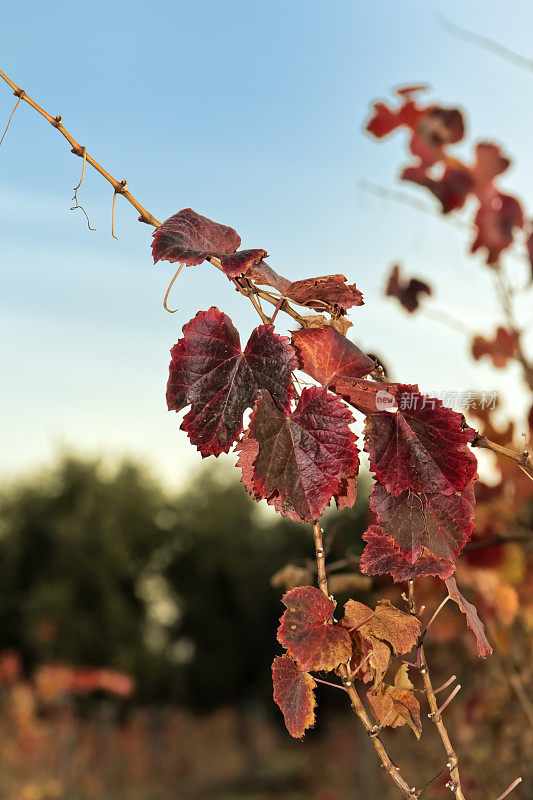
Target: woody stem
pixel 435 715
pixel 357 705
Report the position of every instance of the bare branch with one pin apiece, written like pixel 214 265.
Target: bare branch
pixel 485 42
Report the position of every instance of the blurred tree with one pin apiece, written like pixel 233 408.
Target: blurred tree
pixel 104 569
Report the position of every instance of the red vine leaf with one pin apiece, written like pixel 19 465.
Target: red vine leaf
pixel 293 692
pixel 209 372
pixel 396 705
pixel 297 461
pixel 382 555
pixel 325 353
pixel 386 623
pixel 442 524
pixel 407 292
pixel 432 127
pixel 503 347
pixel 240 263
pixel 489 164
pixel 495 222
pixel 367 396
pixel 308 633
pixel 327 289
pixel 421 447
pixel 451 189
pixel 190 238
pixel 473 621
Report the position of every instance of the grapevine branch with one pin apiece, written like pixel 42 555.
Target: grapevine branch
pixel 245 286
pixel 386 762
pixel 435 715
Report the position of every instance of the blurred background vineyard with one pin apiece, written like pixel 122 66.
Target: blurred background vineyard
pixel 138 631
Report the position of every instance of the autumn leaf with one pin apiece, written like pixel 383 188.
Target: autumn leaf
pixel 298 460
pixel 386 622
pixel 209 372
pixel 324 354
pixel 490 162
pixel 421 447
pixel 440 523
pixel 242 262
pixel 382 555
pixel 308 633
pixel 293 692
pixel 396 705
pixel 495 222
pixel 190 238
pixel 366 396
pixel 472 619
pixel 407 292
pixel 326 289
pixel 451 189
pixel 432 127
pixel 503 347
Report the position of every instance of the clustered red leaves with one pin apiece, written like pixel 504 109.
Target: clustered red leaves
pixel 432 129
pixel 314 641
pixel 189 238
pixel 299 453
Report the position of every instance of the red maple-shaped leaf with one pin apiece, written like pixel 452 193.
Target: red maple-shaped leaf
pixel 440 523
pixel 451 189
pixel 503 347
pixel 406 291
pixel 293 692
pixel 421 447
pixel 495 222
pixel 326 289
pixel 209 372
pixel 297 461
pixel 308 633
pixel 382 555
pixel 325 353
pixel 473 621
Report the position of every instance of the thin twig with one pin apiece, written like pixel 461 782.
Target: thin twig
pixel 522 459
pixel 510 789
pixel 144 215
pixel 10 118
pixel 452 764
pixel 386 762
pixel 486 43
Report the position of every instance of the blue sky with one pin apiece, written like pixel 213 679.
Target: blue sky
pixel 251 113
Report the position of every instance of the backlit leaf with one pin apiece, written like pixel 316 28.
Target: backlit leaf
pixel 293 692
pixel 324 354
pixel 308 633
pixel 440 523
pixel 382 555
pixel 422 446
pixel 495 223
pixel 209 372
pixel 387 623
pixel 298 461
